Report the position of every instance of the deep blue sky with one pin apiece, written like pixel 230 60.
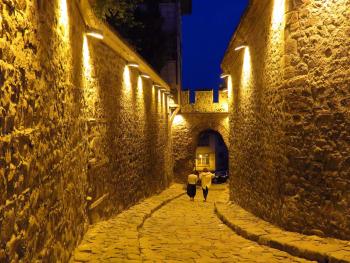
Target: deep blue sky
pixel 206 34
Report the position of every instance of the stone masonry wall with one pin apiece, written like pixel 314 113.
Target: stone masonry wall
pixel 75 124
pixel 204 102
pixel 290 117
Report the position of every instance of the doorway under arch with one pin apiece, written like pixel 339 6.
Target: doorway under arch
pixel 211 151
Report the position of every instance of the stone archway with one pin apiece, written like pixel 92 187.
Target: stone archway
pixel 185 132
pixel 210 151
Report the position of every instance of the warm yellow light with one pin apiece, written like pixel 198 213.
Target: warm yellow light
pixel 159 96
pixel 278 14
pixel 246 69
pixel 178 119
pixel 126 78
pixel 240 47
pixel 63 19
pixel 144 75
pixel 86 59
pixel 139 85
pixel 90 91
pixel 223 76
pixel 171 101
pixel 93 32
pixel 225 106
pixel 133 65
pixel 229 87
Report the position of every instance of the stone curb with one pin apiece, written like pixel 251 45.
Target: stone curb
pixel 323 250
pixel 165 202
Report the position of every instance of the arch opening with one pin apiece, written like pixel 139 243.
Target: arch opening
pixel 211 152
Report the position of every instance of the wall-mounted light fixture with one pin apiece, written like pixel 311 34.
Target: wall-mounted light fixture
pixel 133 65
pixel 144 75
pixel 240 47
pixel 173 106
pixel 224 75
pixel 157 85
pixel 93 32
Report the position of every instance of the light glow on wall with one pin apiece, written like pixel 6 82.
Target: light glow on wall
pixel 63 18
pixel 278 14
pixel 179 119
pixel 229 87
pixel 224 106
pixel 126 79
pixel 139 86
pixel 276 45
pixel 86 59
pixel 91 88
pixel 246 69
pixel 159 95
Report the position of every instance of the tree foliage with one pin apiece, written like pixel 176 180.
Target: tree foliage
pixel 140 23
pixel 122 10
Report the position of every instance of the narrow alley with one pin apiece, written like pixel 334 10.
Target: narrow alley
pixel 111 109
pixel 179 231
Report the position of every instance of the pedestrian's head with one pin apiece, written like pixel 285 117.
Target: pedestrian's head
pixel 196 172
pixel 205 170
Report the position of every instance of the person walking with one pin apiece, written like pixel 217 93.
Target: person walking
pixel 205 178
pixel 191 185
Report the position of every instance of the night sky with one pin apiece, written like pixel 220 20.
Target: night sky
pixel 206 34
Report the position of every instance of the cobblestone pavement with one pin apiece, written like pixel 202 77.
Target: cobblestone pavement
pixel 179 231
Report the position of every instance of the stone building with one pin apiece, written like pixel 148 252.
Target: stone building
pixel 172 12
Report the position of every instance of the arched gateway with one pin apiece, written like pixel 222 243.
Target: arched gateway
pixel 193 120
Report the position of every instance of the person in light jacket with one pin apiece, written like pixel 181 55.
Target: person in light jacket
pixel 205 178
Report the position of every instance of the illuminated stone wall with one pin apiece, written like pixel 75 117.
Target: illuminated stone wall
pixel 290 117
pixel 74 123
pixel 185 131
pixel 204 102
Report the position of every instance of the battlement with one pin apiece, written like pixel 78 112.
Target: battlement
pixel 204 102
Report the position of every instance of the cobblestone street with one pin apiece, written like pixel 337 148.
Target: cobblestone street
pixel 179 231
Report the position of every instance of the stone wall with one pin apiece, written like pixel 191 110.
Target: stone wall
pixel 204 102
pixel 185 131
pixel 290 117
pixel 75 124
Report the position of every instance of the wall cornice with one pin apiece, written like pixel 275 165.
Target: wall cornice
pixel 115 42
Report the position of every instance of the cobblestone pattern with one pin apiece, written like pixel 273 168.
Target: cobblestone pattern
pixel 309 247
pixel 117 239
pixel 204 102
pixel 180 231
pixel 69 129
pixel 185 131
pixel 290 115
